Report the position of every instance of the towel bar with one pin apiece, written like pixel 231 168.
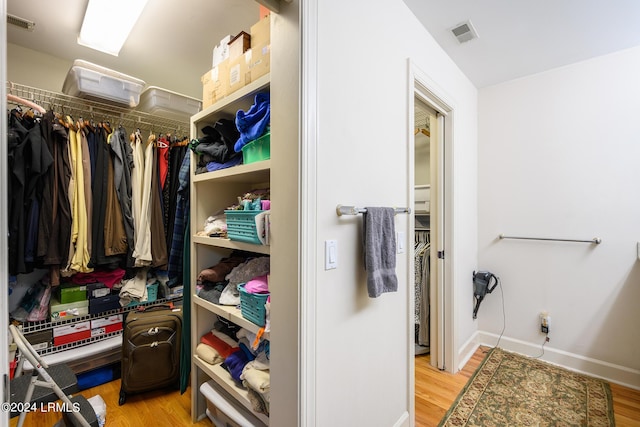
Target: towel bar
pixel 595 240
pixel 352 210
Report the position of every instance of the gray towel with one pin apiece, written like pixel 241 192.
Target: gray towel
pixel 380 250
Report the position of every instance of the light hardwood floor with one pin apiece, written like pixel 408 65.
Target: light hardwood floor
pixel 435 392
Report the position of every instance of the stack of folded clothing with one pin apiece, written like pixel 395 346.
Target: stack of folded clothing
pixel 245 357
pixel 219 284
pixel 216 147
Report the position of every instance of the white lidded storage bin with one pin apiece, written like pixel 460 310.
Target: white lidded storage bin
pixel 87 80
pixel 165 103
pixel 222 412
pixel 422 198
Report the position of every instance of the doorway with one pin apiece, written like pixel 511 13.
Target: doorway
pixel 430 123
pixel 425 122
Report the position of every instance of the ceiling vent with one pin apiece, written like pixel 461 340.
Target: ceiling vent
pixel 464 32
pixel 20 22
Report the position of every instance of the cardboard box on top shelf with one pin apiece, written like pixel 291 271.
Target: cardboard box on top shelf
pixel 261 32
pixel 239 45
pixel 238 75
pixel 260 61
pixel 221 51
pixel 214 84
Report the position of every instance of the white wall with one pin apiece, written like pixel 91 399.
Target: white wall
pixel 362 148
pixel 32 68
pixel 558 157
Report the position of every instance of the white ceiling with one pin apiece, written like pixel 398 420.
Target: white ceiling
pixel 518 38
pixel 172 43
pixel 170 46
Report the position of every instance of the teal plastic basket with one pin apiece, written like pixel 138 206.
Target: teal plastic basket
pixel 152 295
pixel 252 306
pixel 241 226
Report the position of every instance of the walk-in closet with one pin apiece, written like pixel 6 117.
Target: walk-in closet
pixel 122 166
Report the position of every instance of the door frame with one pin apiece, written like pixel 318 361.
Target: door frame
pixel 4 228
pixel 422 86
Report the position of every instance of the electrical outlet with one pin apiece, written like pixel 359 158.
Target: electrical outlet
pixel 545 320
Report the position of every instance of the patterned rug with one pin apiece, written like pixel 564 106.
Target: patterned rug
pixel 508 389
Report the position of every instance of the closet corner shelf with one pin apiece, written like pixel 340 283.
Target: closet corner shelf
pixel 249 173
pixel 231 313
pixel 224 380
pixel 232 103
pixel 231 244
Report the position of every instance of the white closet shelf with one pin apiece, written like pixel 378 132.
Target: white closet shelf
pixel 224 380
pixel 231 244
pixel 79 353
pixel 250 173
pixel 231 313
pixel 230 105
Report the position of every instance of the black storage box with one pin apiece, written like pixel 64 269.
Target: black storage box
pixel 97 290
pixel 102 304
pixel 40 340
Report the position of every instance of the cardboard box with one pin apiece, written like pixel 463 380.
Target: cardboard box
pixel 238 73
pixel 61 311
pixel 239 45
pixel 213 84
pixel 97 290
pixel 221 51
pixel 106 325
pixel 261 32
pixel 260 61
pixel 106 303
pixel 40 340
pixel 67 334
pixel 70 292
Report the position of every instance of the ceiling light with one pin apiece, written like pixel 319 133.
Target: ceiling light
pixel 107 24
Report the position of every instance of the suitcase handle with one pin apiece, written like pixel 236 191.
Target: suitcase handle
pixel 169 306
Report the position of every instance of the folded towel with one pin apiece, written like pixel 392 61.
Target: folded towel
pixel 380 250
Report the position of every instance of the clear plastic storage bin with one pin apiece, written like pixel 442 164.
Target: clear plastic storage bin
pixel 87 80
pixel 165 103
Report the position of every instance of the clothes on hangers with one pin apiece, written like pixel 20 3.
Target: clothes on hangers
pixel 71 195
pixel 422 251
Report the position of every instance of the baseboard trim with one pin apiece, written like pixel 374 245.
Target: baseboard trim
pixel 617 374
pixel 466 351
pixel 403 421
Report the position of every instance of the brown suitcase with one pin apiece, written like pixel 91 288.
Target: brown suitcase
pixel 151 340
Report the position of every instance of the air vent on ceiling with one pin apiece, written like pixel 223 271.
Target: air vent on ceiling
pixel 20 22
pixel 464 32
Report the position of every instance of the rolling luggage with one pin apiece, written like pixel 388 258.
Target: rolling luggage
pixel 151 339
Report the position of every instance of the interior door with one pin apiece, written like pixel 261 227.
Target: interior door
pixel 437 242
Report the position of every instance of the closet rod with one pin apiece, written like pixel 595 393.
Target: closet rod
pixel 352 210
pixel 129 118
pixel 595 240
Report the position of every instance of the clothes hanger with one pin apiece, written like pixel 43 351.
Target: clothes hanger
pixel 422 131
pixel 21 101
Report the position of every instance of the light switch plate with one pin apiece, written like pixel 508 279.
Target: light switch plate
pixel 330 254
pixel 400 243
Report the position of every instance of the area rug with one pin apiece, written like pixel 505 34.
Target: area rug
pixel 509 389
